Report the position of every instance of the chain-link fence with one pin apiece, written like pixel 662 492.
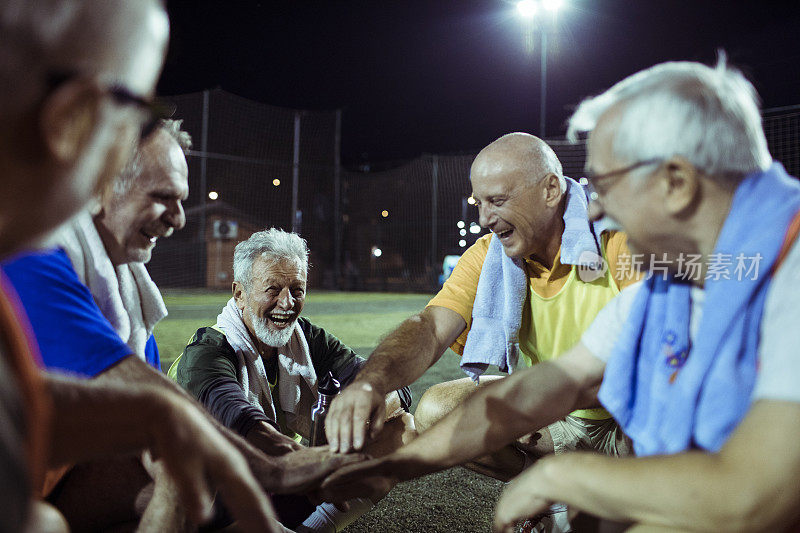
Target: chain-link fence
pixel 387 230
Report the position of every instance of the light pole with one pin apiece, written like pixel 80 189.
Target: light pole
pixel 528 9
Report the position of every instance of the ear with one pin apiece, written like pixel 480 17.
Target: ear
pixel 68 118
pixel 681 182
pixel 552 190
pixel 238 294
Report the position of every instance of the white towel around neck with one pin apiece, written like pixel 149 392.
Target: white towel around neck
pixel 297 380
pixel 125 294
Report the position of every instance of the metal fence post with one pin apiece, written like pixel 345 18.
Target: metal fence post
pixel 434 217
pixel 296 171
pixel 337 201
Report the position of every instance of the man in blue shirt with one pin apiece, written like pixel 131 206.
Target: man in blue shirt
pixel 91 301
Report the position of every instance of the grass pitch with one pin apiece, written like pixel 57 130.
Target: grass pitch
pixel 455 500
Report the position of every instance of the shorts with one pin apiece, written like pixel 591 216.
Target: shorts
pixel 604 436
pixel 583 434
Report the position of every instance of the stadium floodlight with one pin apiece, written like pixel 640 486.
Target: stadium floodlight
pixel 276 182
pixel 377 252
pixel 384 213
pixel 471 200
pixel 462 232
pixel 213 195
pixel 552 5
pixel 527 8
pixel 462 243
pixel 474 228
pixel 460 224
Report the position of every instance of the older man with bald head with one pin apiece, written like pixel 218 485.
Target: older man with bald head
pixel 519 296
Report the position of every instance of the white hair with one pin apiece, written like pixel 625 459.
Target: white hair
pixel 708 115
pixel 274 245
pixel 133 169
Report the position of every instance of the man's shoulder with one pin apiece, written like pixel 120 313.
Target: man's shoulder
pixel 312 331
pixel 210 336
pixel 39 262
pixel 45 274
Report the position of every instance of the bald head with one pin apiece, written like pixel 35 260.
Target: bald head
pixel 519 152
pixel 518 187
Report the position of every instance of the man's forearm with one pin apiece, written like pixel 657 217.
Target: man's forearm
pixel 134 370
pixel 491 418
pixel 750 485
pixel 691 491
pixel 403 356
pixel 82 409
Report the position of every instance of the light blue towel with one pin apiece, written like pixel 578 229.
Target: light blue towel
pixel 493 337
pixel 669 396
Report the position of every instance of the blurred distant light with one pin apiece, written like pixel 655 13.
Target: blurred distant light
pixel 583 181
pixel 384 213
pixel 213 195
pixel 471 200
pixel 377 252
pixel 460 224
pixel 526 8
pixel 552 5
pixel 462 243
pixel 276 182
pixel 474 228
pixel 462 232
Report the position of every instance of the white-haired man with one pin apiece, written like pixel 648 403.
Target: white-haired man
pixel 258 368
pixel 698 365
pixel 105 251
pixel 76 82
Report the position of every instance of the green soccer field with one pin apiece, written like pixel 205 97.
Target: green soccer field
pixel 456 500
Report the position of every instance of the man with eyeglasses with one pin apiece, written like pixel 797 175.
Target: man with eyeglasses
pixel 62 138
pixel 518 297
pixel 700 368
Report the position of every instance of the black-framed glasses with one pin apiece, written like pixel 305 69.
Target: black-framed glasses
pixel 591 181
pixel 155 109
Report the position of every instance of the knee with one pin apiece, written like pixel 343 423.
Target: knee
pixel 396 432
pixel 434 405
pixel 46 518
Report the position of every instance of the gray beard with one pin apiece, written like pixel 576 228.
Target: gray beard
pixel 270 337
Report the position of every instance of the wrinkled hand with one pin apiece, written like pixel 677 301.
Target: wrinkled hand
pixel 271 441
pixel 194 452
pixel 522 498
pixel 369 479
pixel 356 410
pixel 304 469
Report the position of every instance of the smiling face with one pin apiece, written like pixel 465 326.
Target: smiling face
pixel 131 222
pixel 639 200
pixel 273 302
pixel 515 202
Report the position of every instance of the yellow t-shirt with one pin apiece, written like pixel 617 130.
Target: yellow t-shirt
pixel 564 304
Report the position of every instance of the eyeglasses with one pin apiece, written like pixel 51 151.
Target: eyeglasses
pixel 155 110
pixel 593 182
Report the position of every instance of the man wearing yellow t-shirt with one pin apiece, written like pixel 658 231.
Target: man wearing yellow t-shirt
pixel 530 208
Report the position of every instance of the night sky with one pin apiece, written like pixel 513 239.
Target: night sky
pixel 444 76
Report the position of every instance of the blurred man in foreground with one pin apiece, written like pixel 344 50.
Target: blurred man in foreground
pixel 698 363
pixel 76 78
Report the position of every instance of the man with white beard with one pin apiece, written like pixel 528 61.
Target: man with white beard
pixel 258 368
